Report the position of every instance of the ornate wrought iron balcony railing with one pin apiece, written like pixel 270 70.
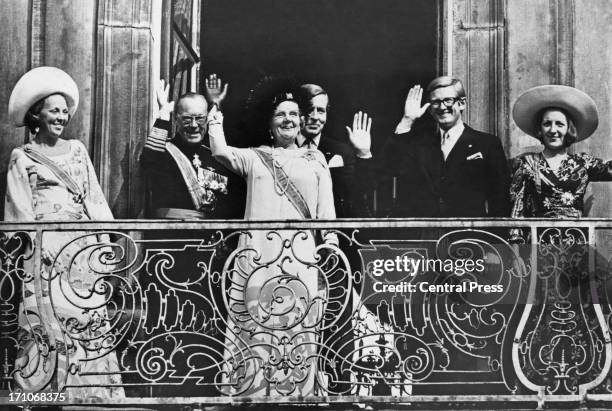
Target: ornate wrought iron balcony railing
pixel 370 311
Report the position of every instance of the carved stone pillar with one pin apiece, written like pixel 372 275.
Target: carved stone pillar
pixel 123 96
pixel 474 51
pixel 540 51
pixel 593 74
pixel 14 50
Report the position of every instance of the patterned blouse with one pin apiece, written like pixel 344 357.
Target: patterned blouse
pixel 34 192
pixel 538 191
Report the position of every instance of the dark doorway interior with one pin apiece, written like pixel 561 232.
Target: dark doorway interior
pixel 365 53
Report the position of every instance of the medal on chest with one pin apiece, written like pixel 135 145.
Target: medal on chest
pixel 197 163
pixel 208 178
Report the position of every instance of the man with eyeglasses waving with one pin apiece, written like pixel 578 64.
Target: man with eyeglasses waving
pixel 185 181
pixel 446 168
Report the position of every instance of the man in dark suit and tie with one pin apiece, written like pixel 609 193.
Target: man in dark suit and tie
pixel 349 166
pixel 446 168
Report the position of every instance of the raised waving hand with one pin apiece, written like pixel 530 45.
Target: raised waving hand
pixel 412 109
pixel 214 90
pixel 360 136
pixel 165 107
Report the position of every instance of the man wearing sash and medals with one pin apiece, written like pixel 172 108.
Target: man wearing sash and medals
pixel 185 182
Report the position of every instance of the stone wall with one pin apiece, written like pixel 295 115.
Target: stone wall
pixel 593 74
pixel 503 47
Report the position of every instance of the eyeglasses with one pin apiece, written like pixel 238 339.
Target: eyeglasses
pixel 448 102
pixel 186 120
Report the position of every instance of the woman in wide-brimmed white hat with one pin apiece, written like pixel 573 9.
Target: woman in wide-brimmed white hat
pixel 51 178
pixel 553 183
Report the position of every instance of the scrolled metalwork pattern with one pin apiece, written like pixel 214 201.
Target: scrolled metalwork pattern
pixel 565 344
pixel 279 313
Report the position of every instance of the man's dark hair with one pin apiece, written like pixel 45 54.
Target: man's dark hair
pixel 308 92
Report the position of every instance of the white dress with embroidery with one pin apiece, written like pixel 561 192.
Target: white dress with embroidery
pixel 73 290
pixel 274 301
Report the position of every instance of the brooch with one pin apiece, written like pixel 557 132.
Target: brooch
pixel 309 155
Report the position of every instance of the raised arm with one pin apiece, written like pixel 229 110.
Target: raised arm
pixel 360 177
pixel 222 152
pixel 156 141
pixel 214 90
pixel 598 169
pixel 412 110
pixel 360 136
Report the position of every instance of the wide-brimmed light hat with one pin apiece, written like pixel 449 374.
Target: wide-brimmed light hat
pixel 37 84
pixel 577 104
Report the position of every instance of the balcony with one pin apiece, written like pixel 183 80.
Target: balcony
pixel 393 312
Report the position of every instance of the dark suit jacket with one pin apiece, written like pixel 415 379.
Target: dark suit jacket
pixel 167 189
pixel 349 182
pixel 472 182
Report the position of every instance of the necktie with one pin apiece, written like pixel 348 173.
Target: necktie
pixel 309 143
pixel 445 146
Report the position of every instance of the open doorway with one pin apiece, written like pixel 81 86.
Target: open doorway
pixel 365 53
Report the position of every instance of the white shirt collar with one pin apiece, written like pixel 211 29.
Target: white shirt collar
pixel 453 136
pixel 454 132
pixel 301 139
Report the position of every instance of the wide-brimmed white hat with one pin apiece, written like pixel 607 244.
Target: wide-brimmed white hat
pixel 37 84
pixel 577 104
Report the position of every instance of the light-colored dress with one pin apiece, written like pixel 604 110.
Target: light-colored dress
pixel 274 301
pixel 74 293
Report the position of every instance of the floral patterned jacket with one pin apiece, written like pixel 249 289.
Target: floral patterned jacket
pixel 537 191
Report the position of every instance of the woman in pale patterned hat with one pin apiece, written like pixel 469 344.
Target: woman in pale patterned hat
pixel 51 178
pixel 553 183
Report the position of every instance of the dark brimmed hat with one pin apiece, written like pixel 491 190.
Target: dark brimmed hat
pixel 37 84
pixel 577 104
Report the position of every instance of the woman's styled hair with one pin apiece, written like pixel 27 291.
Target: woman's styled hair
pixel 263 99
pixel 572 133
pixel 30 120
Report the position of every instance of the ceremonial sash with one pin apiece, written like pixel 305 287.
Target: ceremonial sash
pixel 64 177
pixel 179 214
pixel 284 184
pixel 196 191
